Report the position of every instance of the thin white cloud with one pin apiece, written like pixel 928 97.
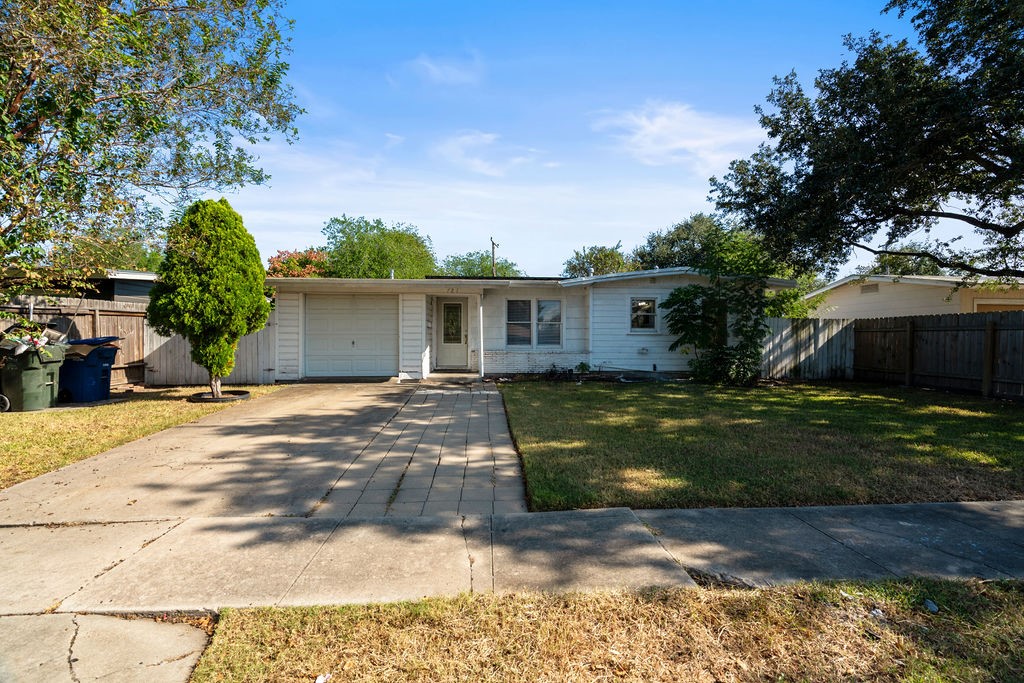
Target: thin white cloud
pixel 393 140
pixel 674 133
pixel 461 214
pixel 449 71
pixel 478 152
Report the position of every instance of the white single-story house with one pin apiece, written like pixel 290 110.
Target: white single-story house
pixel 882 296
pixel 326 327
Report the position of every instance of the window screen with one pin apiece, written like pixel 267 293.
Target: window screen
pixel 549 322
pixel 642 314
pixel 517 322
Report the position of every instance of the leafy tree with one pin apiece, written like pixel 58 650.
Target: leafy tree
pixel 893 142
pixel 311 262
pixel 596 260
pixel 120 248
pixel 211 287
pixel 107 105
pixel 901 261
pixel 364 248
pixel 685 244
pixel 706 245
pixel 478 264
pixel 723 324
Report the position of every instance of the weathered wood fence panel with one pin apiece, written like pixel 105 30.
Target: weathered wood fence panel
pixel 145 356
pixel 808 349
pixel 975 352
pixel 87 318
pixel 168 361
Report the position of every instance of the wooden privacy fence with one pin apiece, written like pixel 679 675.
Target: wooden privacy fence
pixel 976 352
pixel 169 362
pixel 88 318
pixel 808 349
pixel 145 356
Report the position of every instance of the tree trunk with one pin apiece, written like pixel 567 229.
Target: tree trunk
pixel 215 386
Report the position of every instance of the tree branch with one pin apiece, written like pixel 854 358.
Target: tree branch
pixel 30 79
pixel 944 262
pixel 1007 231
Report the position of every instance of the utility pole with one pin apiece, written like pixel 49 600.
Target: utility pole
pixel 494 266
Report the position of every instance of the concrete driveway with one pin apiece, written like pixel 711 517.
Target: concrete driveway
pixel 335 450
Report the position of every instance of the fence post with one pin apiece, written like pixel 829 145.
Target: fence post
pixel 988 359
pixel 908 377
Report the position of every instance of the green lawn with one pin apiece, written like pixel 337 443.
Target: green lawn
pixel 675 445
pixel 806 632
pixel 41 441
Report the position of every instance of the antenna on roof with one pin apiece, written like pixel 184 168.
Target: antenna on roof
pixel 494 266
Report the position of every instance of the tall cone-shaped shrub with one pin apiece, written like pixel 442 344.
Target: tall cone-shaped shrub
pixel 211 287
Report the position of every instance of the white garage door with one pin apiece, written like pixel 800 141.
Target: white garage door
pixel 353 335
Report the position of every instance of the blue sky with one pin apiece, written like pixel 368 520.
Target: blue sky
pixel 547 126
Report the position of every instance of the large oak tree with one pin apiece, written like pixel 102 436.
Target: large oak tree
pixel 106 105
pixel 894 141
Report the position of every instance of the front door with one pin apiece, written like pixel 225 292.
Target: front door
pixel 453 351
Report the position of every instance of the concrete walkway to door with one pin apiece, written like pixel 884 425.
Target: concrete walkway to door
pixel 448 451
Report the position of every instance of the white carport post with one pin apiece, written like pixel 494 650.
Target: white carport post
pixel 480 333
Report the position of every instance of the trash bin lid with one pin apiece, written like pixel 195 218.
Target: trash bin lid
pixel 94 341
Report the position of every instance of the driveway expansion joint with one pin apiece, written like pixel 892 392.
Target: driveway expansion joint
pixel 844 544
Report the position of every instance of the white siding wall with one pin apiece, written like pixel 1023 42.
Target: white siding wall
pixel 472 323
pixel 289 336
pixel 615 346
pixel 892 299
pixel 500 358
pixel 428 350
pixel 413 330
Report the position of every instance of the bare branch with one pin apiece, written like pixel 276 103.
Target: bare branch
pixel 952 264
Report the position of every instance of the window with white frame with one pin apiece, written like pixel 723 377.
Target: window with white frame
pixel 643 314
pixel 518 322
pixel 549 322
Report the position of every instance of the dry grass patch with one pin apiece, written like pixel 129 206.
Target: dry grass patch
pixel 37 442
pixel 686 445
pixel 879 632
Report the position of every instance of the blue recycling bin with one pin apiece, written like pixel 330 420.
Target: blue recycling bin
pixel 84 379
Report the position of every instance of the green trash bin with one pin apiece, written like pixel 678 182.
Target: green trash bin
pixel 29 380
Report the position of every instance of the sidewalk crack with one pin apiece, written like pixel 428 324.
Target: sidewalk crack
pixel 71 650
pixel 889 534
pixel 843 543
pixel 469 553
pixel 118 562
pixel 312 557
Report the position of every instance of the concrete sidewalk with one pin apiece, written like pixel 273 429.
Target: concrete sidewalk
pixel 207 563
pixel 213 562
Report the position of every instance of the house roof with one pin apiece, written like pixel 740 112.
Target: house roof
pixel 432 284
pixel 428 286
pixel 136 275
pixel 920 280
pixel 659 272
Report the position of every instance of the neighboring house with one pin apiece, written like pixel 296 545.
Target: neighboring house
pixel 325 327
pixel 880 296
pixel 123 285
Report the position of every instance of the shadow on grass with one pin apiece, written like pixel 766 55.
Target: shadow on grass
pixel 673 445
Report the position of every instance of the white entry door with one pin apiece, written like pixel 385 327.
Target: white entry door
pixel 453 350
